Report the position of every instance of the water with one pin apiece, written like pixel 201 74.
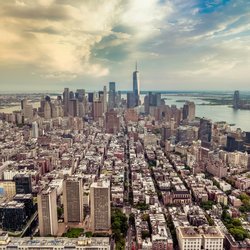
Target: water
pixel 241 118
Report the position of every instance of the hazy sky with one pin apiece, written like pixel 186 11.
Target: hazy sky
pixel 179 44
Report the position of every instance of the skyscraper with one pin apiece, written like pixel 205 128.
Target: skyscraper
pixel 23 183
pixel 188 111
pixel 47 110
pixel 236 100
pixel 130 100
pixel 112 94
pixel 34 130
pixel 100 206
pixel 66 101
pixel 205 132
pixel 47 212
pixel 112 122
pixel 73 107
pixel 136 85
pixel 105 99
pixel 73 199
pixel 97 110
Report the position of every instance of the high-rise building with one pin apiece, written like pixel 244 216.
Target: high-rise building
pixel 66 100
pixel 34 130
pixel 27 200
pixel 154 99
pixel 105 99
pixel 112 95
pixel 100 206
pixel 205 132
pixel 71 95
pixel 73 107
pixel 112 122
pixel 188 111
pixel 73 199
pixel 47 212
pixel 24 102
pixel 80 94
pixel 12 216
pixel 97 110
pixel 146 104
pixel 28 111
pixel 131 102
pixel 236 100
pixel 23 183
pixel 90 97
pixel 136 86
pixel 47 110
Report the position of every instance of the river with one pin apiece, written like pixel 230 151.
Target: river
pixel 241 118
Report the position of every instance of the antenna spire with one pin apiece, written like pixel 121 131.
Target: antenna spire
pixel 136 65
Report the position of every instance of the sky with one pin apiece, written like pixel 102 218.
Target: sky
pixel 46 45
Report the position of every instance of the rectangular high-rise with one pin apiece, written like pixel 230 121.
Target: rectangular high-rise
pixel 136 86
pixel 112 96
pixel 100 206
pixel 205 132
pixel 73 199
pixel 23 183
pixel 47 212
pixel 66 101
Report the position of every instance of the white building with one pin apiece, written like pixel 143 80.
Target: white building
pixel 193 238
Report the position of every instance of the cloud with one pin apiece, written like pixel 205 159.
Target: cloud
pixel 174 40
pixel 56 38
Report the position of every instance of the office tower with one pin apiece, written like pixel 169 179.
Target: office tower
pixel 236 100
pixel 73 107
pixel 154 99
pixel 71 95
pixel 80 94
pixel 112 122
pixel 56 109
pixel 24 102
pixel 90 97
pixel 27 200
pixel 166 132
pixel 97 110
pixel 47 212
pixel 205 132
pixel 23 183
pixel 82 110
pixel 34 130
pixel 73 199
pixel 112 95
pixel 247 138
pixel 105 99
pixel 234 144
pixel 118 99
pixel 188 111
pixel 12 216
pixel 47 110
pixel 131 102
pixel 146 104
pixel 100 206
pixel 136 86
pixel 66 100
pixel 28 111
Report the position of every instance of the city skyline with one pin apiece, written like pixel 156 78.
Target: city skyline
pixel 199 45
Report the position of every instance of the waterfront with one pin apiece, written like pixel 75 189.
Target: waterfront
pixel 241 118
